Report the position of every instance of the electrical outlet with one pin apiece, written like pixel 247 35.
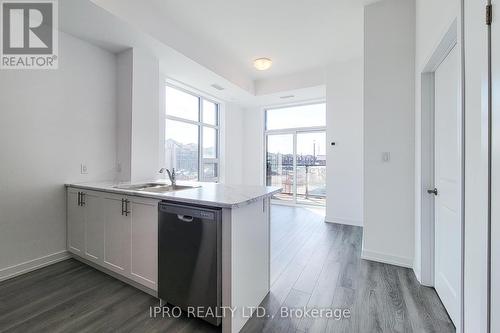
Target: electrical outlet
pixel 83 169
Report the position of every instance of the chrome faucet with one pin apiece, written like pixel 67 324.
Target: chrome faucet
pixel 171 175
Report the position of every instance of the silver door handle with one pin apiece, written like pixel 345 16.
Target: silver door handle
pixel 185 218
pixel 433 191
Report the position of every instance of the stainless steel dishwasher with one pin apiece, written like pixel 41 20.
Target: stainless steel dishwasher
pixel 189 257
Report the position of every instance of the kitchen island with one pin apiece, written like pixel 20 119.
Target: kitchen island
pixel 114 227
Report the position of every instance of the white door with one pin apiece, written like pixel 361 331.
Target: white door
pixel 144 241
pixel 76 222
pixel 447 273
pixel 94 227
pixel 116 234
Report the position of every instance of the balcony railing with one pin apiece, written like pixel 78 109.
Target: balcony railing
pixel 311 182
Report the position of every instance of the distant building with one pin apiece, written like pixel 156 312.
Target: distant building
pixel 184 158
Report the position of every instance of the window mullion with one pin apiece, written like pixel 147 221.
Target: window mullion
pixel 200 140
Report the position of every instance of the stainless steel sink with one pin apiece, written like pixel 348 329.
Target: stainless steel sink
pixel 166 188
pixel 154 187
pixel 137 187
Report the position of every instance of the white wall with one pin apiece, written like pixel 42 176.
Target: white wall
pixel 232 145
pixel 433 19
pixel 309 78
pixel 50 122
pixel 253 146
pixel 388 127
pixel 124 84
pixel 344 121
pixel 138 99
pixel 145 161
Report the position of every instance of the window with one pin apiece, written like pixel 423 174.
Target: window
pixel 296 153
pixel 191 135
pixel 312 115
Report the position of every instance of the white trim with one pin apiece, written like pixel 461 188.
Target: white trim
pixel 297 130
pixel 426 274
pixel 339 220
pixel 31 265
pixel 447 43
pixel 291 203
pixel 386 258
pixel 191 90
pixel 304 102
pixel 117 276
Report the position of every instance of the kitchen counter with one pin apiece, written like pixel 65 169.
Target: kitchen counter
pixel 210 194
pixel 116 230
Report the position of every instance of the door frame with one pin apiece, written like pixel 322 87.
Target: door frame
pixel 451 39
pixel 294 132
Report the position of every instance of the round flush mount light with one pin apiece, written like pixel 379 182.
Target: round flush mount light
pixel 262 64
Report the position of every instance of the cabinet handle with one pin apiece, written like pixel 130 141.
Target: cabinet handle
pixel 83 199
pixel 79 198
pixel 127 211
pixel 123 209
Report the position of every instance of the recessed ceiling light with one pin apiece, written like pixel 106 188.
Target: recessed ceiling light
pixel 262 64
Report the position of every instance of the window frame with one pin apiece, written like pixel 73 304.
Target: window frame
pixel 294 131
pixel 201 125
pixel 286 106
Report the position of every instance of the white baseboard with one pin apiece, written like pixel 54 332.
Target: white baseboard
pixel 387 258
pixel 31 265
pixel 344 221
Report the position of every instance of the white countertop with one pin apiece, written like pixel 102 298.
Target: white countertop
pixel 210 194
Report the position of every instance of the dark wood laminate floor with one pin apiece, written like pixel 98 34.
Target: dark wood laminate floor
pixel 317 265
pixel 314 265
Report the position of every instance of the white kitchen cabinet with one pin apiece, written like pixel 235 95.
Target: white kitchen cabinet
pixel 116 233
pixel 94 226
pixel 85 225
pixel 75 223
pixel 144 241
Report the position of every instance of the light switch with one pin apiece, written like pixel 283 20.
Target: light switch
pixel 83 169
pixel 386 156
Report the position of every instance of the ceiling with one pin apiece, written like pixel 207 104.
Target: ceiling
pixel 297 34
pixel 221 38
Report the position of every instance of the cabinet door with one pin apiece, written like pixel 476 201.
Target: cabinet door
pixel 75 223
pixel 116 235
pixel 94 226
pixel 144 241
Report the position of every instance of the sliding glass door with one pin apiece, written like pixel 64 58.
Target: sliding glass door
pixel 295 155
pixel 311 167
pixel 280 164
